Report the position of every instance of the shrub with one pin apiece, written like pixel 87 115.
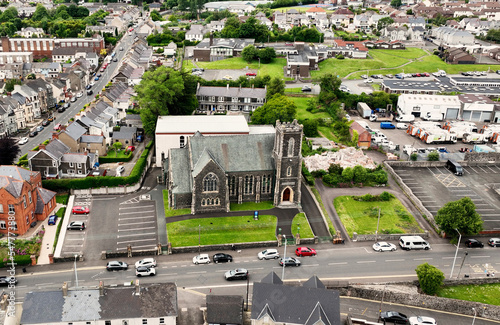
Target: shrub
pixel 413 157
pixel 368 198
pixel 386 196
pixel 307 175
pixel 18 259
pixel 433 156
pixel 430 278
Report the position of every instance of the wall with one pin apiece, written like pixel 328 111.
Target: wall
pixel 386 237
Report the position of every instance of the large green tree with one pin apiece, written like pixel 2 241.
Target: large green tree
pixel 329 88
pixel 165 91
pixel 267 55
pixel 279 107
pixel 9 149
pixel 249 53
pixel 430 278
pixel 460 215
pixel 276 86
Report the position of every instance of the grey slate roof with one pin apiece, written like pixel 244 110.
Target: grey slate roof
pixel 35 307
pixel 179 159
pixel 232 92
pixel 11 185
pixel 15 172
pixel 75 130
pixel 224 309
pixel 295 305
pixel 78 158
pixel 314 282
pixel 126 132
pixel 92 138
pixel 20 98
pixel 236 153
pixel 43 197
pixel 57 148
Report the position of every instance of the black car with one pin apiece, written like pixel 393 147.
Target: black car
pixel 289 261
pixel 88 87
pixel 89 92
pixel 61 109
pixel 465 73
pixel 238 274
pixel 6 280
pixel 76 225
pixel 99 75
pixel 33 134
pixel 374 76
pixel 116 266
pixel 45 122
pixel 306 88
pixel 222 257
pixel 473 243
pixel 393 317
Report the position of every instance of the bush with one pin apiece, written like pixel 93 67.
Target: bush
pixel 433 156
pixel 18 259
pixel 413 157
pixel 307 175
pixel 386 196
pixel 430 278
pixel 108 159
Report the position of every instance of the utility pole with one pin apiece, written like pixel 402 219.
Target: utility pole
pixel 284 256
pixel 456 252
pixel 199 239
pixel 378 222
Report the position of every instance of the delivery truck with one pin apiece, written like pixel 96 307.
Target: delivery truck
pixel 405 118
pixel 473 138
pixel 364 110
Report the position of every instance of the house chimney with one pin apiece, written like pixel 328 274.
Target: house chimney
pixel 101 288
pixel 137 288
pixel 211 39
pixel 55 135
pixel 41 147
pixel 65 289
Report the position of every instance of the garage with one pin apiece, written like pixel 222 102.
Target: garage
pixel 452 113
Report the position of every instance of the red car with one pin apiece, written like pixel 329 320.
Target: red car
pixel 305 251
pixel 130 148
pixel 252 74
pixel 80 210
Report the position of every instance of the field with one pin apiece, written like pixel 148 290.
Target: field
pixel 361 217
pixel 302 113
pixel 274 69
pixel 300 221
pixel 224 230
pixel 485 293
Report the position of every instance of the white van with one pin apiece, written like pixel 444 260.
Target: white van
pixel 413 242
pixel 401 126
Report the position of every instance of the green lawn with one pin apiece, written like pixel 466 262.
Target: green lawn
pixel 249 206
pixel 305 231
pixel 187 65
pixel 302 113
pixel 274 69
pixel 327 133
pixel 297 90
pixel 62 198
pixel 409 53
pixel 172 212
pixel 484 293
pixel 361 217
pixel 224 230
pixel 121 153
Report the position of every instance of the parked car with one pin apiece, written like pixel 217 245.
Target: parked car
pixel 73 99
pixel 57 127
pixel 227 77
pixel 39 128
pixel 66 106
pixel 473 243
pixel 88 86
pixel 145 271
pixel 369 81
pixel 494 242
pixel 5 281
pixel 80 210
pixel 251 74
pixel 80 94
pixel 76 225
pixel 201 259
pixel 115 59
pixel 389 76
pixel 146 262
pixel 222 257
pixel 130 148
pixel 306 89
pixel 61 109
pixel 238 274
pixel 120 169
pixel 393 317
pixel 289 261
pixel 268 254
pixel 382 246
pixel 52 220
pixel 45 122
pixel 89 92
pixel 50 119
pixel 96 78
pixel 33 134
pixel 121 48
pixel 422 320
pixel 116 266
pixel 305 251
pixel 23 140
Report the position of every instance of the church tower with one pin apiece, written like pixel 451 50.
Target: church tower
pixel 288 162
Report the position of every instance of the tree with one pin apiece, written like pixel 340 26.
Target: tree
pixel 396 3
pixel 9 149
pixel 329 86
pixel 249 53
pixel 155 16
pixel 276 86
pixel 279 107
pixel 430 278
pixel 9 85
pixel 384 22
pixel 310 127
pixel 433 156
pixel 460 215
pixel 267 55
pixel 117 146
pixel 347 174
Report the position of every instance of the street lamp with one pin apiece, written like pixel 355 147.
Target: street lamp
pixel 76 274
pixel 456 252
pixel 199 239
pixel 474 319
pixel 283 260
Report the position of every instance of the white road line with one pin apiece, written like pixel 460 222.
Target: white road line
pixel 44 284
pixel 135 218
pixel 141 246
pixel 139 207
pixel 337 263
pixel 399 260
pixel 141 212
pixel 310 265
pixel 201 272
pixel 135 223
pixel 167 274
pixel 130 241
pixel 105 278
pixel 131 235
pixel 361 262
pixel 73 245
pixel 256 268
pixel 422 259
pixel 135 229
pixel 449 257
pixel 479 256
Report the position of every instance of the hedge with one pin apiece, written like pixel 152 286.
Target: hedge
pixel 66 184
pixel 107 159
pixel 18 259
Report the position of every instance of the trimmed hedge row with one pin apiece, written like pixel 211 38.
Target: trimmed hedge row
pixel 107 159
pixel 59 185
pixel 18 259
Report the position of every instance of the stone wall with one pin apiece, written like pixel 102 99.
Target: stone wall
pixel 483 157
pixel 386 237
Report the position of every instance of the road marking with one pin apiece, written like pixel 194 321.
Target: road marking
pixel 399 260
pixel 130 241
pixel 73 245
pixel 136 229
pixel 310 265
pixel 337 263
pixel 139 207
pixel 360 262
pixel 135 218
pixel 422 259
pixel 135 223
pixel 123 248
pixel 479 256
pixel 141 212
pixel 167 274
pixel 131 235
pixel 45 284
pixel 201 272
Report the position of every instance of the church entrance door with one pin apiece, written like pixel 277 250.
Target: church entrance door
pixel 286 195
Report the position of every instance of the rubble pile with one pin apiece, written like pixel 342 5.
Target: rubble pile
pixel 348 157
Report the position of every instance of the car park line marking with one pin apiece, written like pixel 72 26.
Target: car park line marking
pixel 135 223
pixel 123 248
pixel 337 263
pixel 141 212
pixel 44 284
pixel 135 218
pixel 422 259
pixel 135 229
pixel 200 272
pixel 138 207
pixel 129 241
pixel 361 262
pixel 73 239
pixel 481 256
pixel 310 265
pixel 131 235
pixel 74 245
pixel 398 260
pixel 492 170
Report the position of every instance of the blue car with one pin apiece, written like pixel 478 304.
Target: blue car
pixel 96 78
pixel 52 220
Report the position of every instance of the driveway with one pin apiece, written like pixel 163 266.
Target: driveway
pixel 229 74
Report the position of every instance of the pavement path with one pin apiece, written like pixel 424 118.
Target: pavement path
pixel 313 213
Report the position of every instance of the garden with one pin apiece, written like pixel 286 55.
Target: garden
pixel 22 248
pixel 275 68
pixel 360 214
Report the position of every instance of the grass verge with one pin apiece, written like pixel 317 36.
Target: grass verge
pixel 331 228
pixel 223 230
pixel 361 217
pixel 249 206
pixel 172 212
pixel 484 293
pixel 305 231
pixel 60 217
pixel 302 113
pixel 274 69
pixel 62 198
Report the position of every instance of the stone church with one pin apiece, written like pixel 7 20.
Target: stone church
pixel 210 172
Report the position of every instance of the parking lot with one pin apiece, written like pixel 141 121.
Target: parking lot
pixel 227 74
pixel 74 240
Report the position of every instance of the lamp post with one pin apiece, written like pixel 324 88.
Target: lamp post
pixel 378 222
pixel 76 274
pixel 199 239
pixel 456 252
pixel 474 319
pixel 283 260
pixel 259 63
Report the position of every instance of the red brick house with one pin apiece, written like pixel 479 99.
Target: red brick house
pixel 364 137
pixel 22 199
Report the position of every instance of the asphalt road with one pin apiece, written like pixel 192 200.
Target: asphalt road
pixel 64 118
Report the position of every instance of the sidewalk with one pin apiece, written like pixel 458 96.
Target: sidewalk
pixel 48 238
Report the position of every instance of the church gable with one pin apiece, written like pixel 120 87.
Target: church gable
pixel 209 180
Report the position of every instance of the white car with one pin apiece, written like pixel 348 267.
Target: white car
pixel 147 262
pixel 23 140
pixel 268 254
pixel 383 246
pixel 79 95
pixel 145 271
pixel 422 320
pixel 369 81
pixel 92 84
pixel 401 126
pixel 201 259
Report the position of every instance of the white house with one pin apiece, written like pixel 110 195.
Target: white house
pixel 421 105
pixel 195 33
pixel 29 32
pixel 452 37
pixel 476 108
pixel 32 99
